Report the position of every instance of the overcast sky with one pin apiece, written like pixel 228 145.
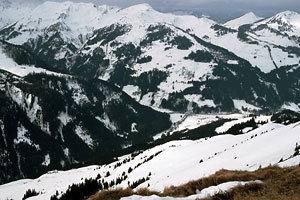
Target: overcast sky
pixel 215 8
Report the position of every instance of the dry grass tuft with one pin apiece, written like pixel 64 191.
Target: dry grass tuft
pixel 278 184
pixel 112 194
pixel 219 177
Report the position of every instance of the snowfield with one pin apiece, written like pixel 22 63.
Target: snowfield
pixel 177 162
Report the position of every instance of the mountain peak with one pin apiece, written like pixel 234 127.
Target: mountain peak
pixel 250 14
pixel 287 20
pixel 289 17
pixel 247 18
pixel 287 13
pixel 139 8
pixel 142 6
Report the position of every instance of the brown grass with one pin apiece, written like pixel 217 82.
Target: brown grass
pixel 112 194
pixel 278 184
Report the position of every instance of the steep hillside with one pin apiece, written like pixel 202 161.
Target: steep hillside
pixel 158 167
pixel 56 120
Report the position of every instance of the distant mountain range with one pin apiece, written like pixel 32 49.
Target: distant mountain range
pixel 90 56
pixel 180 63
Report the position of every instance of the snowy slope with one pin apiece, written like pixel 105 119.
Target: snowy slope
pixel 287 22
pixel 80 19
pixel 11 11
pixel 248 18
pixel 267 44
pixel 8 64
pixel 61 119
pixel 263 146
pixel 72 19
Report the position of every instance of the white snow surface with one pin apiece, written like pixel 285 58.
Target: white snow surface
pixel 257 53
pixel 12 12
pixel 64 118
pixel 287 18
pixel 91 17
pixel 291 106
pixel 248 18
pixel 47 160
pixel 84 136
pixel 23 137
pixel 226 126
pixel 241 105
pixel 78 92
pixel 242 152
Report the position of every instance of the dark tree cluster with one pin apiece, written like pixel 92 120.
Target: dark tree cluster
pixel 30 193
pixel 286 117
pixel 238 128
pixel 80 191
pixel 139 182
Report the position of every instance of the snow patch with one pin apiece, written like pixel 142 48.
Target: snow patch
pixel 84 136
pixel 291 106
pixel 232 62
pixel 67 152
pixel 47 160
pixel 198 100
pixel 78 93
pixel 226 126
pixel 133 128
pixel 242 105
pixel 64 118
pixel 132 91
pixel 9 65
pixel 110 125
pixel 23 137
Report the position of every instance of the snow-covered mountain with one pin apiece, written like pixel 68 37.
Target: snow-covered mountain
pixel 51 120
pixel 163 60
pixel 287 22
pixel 64 68
pixel 11 11
pixel 268 44
pixel 267 144
pixel 248 18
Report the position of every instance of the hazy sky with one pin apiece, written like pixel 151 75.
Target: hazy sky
pixel 215 8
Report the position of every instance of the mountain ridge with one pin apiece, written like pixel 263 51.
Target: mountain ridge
pixel 122 48
pixel 247 18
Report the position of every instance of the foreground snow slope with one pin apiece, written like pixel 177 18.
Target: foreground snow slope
pixel 178 162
